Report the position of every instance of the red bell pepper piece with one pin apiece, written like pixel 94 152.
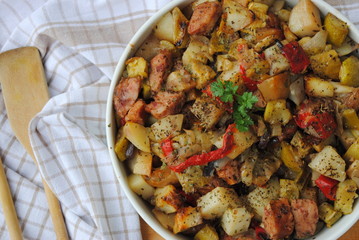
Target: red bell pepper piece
pixel 166 146
pixel 328 186
pixel 204 158
pixel 248 82
pixel 296 56
pixel 261 234
pixel 322 122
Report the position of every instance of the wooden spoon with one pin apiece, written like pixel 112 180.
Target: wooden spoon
pixel 25 93
pixel 8 207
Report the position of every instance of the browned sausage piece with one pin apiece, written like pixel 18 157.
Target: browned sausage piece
pixel 166 103
pixel 352 99
pixel 126 94
pixel 137 113
pixel 305 212
pixel 278 219
pixel 204 17
pixel 230 172
pixel 161 66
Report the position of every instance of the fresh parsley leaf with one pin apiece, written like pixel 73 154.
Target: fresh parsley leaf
pixel 244 103
pixel 217 88
pixel 247 100
pixel 227 92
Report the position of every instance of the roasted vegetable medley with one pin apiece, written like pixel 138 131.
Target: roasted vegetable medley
pixel 238 119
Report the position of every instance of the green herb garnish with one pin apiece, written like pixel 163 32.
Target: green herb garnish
pixel 242 104
pixel 225 91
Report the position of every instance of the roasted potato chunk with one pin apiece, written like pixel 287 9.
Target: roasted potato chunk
pixel 275 87
pixel 140 186
pixel 186 218
pixel 137 135
pixel 216 202
pixel 235 220
pixel 317 87
pixel 167 199
pixel 304 19
pixel 329 163
pixel 207 111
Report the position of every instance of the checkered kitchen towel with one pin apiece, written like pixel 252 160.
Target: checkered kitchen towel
pixel 80 42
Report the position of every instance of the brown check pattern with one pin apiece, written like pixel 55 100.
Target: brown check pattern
pixel 80 42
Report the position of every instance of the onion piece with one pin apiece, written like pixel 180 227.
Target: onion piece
pixel 347 47
pixel 277 6
pixel 340 89
pixel 316 44
pixel 297 92
pixel 220 163
pixel 338 118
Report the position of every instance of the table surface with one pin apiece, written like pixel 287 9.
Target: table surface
pixel 150 234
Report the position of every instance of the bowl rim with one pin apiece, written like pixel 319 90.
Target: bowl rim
pixel 337 230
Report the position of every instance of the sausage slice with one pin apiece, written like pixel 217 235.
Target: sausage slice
pixel 166 103
pixel 204 17
pixel 161 66
pixel 305 212
pixel 278 219
pixel 137 112
pixel 126 94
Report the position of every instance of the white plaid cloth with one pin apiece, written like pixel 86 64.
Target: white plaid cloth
pixel 80 42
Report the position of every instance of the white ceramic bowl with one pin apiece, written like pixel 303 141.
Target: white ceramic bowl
pixel 143 209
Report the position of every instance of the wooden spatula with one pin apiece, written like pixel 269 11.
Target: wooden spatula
pixel 8 207
pixel 25 93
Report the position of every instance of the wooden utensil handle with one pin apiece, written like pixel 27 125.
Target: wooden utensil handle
pixel 53 203
pixel 8 207
pixel 25 93
pixel 56 213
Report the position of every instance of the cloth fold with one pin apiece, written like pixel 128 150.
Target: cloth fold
pixel 80 42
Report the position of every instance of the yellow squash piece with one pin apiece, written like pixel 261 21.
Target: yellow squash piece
pixel 302 147
pixel 146 91
pixel 289 158
pixel 328 214
pixel 121 145
pixel 137 67
pixel 207 232
pixel 349 72
pixel 345 195
pixel 326 64
pixel 352 152
pixel 288 189
pixel 350 119
pixel 336 28
pixel 353 172
pixel 277 112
